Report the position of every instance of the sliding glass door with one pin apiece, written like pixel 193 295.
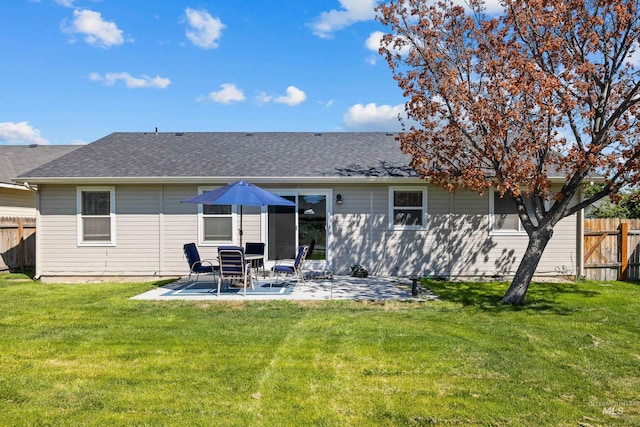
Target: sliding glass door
pixel 281 239
pixel 312 224
pixel 306 224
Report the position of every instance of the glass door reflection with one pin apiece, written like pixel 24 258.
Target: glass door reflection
pixel 312 223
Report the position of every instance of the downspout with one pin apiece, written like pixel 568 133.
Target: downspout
pixel 328 232
pixel 38 271
pixel 580 239
pixel 161 232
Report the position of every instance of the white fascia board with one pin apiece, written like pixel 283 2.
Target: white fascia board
pixel 227 179
pixel 14 186
pixel 214 179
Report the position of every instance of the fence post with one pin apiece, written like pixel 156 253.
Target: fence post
pixel 624 251
pixel 21 245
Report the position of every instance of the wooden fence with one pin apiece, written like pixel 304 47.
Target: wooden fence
pixel 612 249
pixel 17 243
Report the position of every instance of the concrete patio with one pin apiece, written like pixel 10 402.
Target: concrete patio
pixel 336 288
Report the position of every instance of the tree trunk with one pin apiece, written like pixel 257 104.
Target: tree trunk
pixel 537 243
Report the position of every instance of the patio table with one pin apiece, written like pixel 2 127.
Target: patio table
pixel 253 257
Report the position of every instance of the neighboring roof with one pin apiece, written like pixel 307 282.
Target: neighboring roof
pixel 194 156
pixel 18 159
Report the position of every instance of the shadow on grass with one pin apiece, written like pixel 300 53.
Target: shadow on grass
pixel 163 282
pixel 487 296
pixel 17 275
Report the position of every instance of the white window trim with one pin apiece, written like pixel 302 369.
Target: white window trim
pixel 423 189
pixel 234 224
pixel 112 215
pixel 492 231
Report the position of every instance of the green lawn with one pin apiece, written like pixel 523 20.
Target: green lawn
pixel 85 354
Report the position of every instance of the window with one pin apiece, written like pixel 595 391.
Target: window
pixel 503 217
pixel 96 216
pixel 503 214
pixel 217 223
pixel 407 208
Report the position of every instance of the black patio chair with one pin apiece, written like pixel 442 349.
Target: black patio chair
pixel 252 248
pixel 233 266
pixel 296 268
pixel 197 266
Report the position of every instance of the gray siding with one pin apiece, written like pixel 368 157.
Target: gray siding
pixel 137 247
pixel 362 234
pixel 152 225
pixel 180 223
pixel 17 203
pixel 456 242
pixel 467 238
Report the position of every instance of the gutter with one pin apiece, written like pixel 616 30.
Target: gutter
pixel 322 180
pixel 24 187
pixel 216 179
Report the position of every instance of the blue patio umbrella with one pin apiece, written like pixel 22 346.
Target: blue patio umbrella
pixel 240 193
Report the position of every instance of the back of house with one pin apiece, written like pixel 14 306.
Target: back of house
pixel 114 208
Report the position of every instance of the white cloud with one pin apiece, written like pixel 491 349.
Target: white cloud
pixel 66 3
pixel 373 41
pixel 205 30
pixel 21 132
pixel 97 31
pixel 373 44
pixel 634 58
pixel 493 6
pixel 131 82
pixel 293 97
pixel 352 11
pixel 263 97
pixel 372 60
pixel 370 117
pixel 229 93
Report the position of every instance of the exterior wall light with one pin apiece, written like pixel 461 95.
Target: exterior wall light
pixel 339 199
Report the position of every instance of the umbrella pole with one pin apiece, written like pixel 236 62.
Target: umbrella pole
pixel 240 225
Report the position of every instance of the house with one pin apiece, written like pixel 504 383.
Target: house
pixel 18 199
pixel 18 202
pixel 114 208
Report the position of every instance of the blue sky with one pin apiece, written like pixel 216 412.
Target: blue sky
pixel 74 71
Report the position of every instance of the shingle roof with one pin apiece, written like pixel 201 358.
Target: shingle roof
pixel 18 159
pixel 232 154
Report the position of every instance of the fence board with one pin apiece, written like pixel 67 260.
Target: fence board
pixel 17 243
pixel 603 249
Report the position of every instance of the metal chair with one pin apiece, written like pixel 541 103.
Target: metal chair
pixel 233 266
pixel 295 268
pixel 196 265
pixel 252 248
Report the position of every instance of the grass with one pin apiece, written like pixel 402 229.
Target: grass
pixel 84 354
